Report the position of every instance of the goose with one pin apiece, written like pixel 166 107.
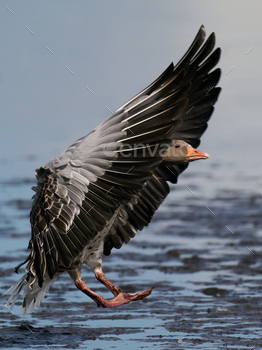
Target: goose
pixel 97 193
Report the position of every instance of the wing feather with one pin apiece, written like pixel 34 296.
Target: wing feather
pixel 118 166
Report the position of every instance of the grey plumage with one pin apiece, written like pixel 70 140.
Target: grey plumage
pixel 111 170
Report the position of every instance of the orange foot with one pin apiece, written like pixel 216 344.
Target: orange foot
pixel 122 298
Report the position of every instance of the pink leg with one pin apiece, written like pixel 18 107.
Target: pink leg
pixel 120 297
pixel 102 279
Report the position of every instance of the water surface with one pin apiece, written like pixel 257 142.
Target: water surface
pixel 202 251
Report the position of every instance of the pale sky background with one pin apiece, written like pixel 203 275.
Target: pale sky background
pixel 117 48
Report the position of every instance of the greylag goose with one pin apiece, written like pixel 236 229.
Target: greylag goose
pixel 97 193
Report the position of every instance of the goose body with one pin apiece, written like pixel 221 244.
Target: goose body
pixel 97 193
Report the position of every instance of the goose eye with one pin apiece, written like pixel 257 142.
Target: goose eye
pixel 177 146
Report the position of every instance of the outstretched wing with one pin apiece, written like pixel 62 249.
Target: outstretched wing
pixel 196 65
pixel 79 190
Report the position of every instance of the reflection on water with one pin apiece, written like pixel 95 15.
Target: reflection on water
pixel 201 253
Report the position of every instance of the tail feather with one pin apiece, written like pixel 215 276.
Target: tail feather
pixel 33 297
pixel 17 287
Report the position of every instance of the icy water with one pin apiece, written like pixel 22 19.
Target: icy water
pixel 202 253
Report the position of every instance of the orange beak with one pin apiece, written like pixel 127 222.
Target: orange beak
pixel 194 154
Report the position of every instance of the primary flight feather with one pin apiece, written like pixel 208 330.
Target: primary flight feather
pixel 98 192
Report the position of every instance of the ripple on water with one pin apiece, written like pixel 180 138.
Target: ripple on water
pixel 207 283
